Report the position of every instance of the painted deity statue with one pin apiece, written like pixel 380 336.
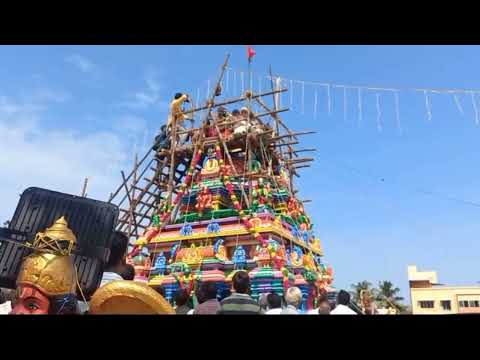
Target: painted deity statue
pixel 220 251
pixel 173 253
pixel 289 257
pixel 293 208
pixel 140 264
pixel 211 166
pixel 239 257
pixel 283 177
pixel 262 256
pixel 296 256
pixel 309 262
pixel 204 200
pixel 279 257
pixel 193 255
pixel 160 265
pixel 316 245
pixel 47 281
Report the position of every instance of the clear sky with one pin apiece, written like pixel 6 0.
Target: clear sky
pixel 68 112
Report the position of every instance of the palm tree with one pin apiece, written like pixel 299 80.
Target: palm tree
pixel 358 287
pixel 387 295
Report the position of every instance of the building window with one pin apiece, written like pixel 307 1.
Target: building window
pixel 426 304
pixel 473 303
pixel 463 303
pixel 446 304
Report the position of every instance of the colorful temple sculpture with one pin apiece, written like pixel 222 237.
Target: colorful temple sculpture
pixel 224 201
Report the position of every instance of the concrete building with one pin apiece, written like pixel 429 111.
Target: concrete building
pixel 429 297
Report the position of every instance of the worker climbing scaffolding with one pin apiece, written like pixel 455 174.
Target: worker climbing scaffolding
pixel 177 117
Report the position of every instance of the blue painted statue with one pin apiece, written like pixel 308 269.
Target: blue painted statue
pixel 217 244
pixel 289 257
pixel 186 230
pixel 160 265
pixel 145 252
pixel 239 257
pixel 173 252
pixel 213 227
pixel 306 236
pixel 299 252
pixel 295 232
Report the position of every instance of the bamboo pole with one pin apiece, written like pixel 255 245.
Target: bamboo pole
pixel 232 101
pixel 130 175
pixel 210 105
pixel 132 204
pixel 84 189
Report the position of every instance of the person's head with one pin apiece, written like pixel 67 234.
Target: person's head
pixel 323 304
pixel 118 250
pixel 128 272
pixel 241 282
pixel 181 297
pixel 208 291
pixel 244 111
pixel 293 297
pixel 46 284
pixel 262 301
pixel 163 128
pixel 159 289
pixel 236 112
pixel 343 298
pixel 178 96
pixel 274 301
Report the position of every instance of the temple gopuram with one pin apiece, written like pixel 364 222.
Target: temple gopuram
pixel 219 197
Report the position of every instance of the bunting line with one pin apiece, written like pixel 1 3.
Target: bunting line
pixel 459 106
pixel 329 100
pixel 475 109
pixel 360 112
pixel 379 114
pixel 397 111
pixel 427 106
pixel 303 98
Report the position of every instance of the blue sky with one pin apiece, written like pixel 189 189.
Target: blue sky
pixel 68 112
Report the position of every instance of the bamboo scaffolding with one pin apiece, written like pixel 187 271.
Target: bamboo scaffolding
pixel 164 175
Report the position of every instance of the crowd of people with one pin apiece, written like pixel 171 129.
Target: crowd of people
pixel 204 300
pixel 241 303
pixel 235 123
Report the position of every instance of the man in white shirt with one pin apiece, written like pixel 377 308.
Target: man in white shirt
pixel 5 304
pixel 323 305
pixel 115 265
pixel 274 304
pixel 116 261
pixel 342 308
pixel 293 298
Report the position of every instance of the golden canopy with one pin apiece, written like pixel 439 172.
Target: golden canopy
pixel 125 297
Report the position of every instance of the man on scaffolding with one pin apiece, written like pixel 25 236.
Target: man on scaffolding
pixel 177 117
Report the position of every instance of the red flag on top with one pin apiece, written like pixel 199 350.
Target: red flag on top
pixel 250 53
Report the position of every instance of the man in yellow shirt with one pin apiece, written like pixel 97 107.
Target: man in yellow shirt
pixel 177 116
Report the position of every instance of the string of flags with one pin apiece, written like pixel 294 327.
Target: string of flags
pixel 234 83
